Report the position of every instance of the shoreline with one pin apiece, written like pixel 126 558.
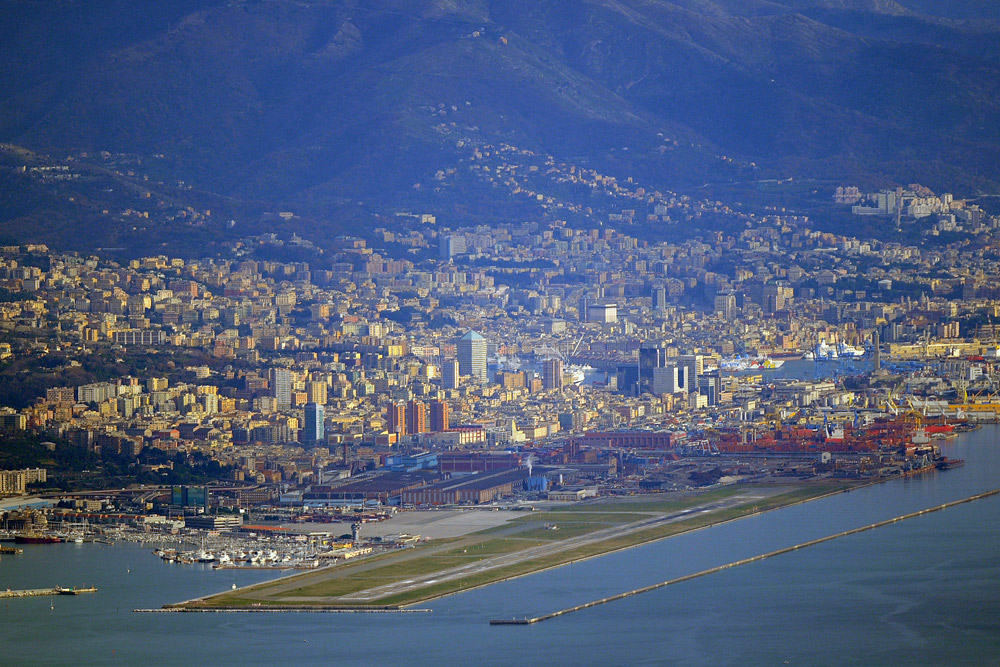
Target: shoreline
pixel 203 603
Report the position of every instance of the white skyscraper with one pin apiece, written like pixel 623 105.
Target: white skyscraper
pixel 472 356
pixel 281 387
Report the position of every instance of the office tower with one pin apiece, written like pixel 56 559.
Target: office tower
pixel 440 416
pixel 669 380
pixel 314 430
pixel 651 357
pixel 693 365
pixel 449 374
pixel 552 374
pixel 710 386
pixel 281 387
pixel 472 356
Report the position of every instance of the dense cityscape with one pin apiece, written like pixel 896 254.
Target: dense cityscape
pixel 365 333
pixel 615 366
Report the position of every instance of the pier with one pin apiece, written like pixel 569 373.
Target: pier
pixel 744 561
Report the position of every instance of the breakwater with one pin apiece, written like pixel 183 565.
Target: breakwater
pixel 744 561
pixel 274 610
pixel 41 592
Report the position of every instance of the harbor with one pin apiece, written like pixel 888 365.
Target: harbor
pixel 941 566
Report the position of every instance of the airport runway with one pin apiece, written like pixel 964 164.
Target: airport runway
pixel 503 560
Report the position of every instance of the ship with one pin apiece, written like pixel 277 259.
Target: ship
pixel 75 591
pixel 578 372
pixel 747 363
pixel 946 464
pixel 36 538
pixel 826 352
pixel 845 351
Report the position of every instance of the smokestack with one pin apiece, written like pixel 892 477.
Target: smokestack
pixel 876 351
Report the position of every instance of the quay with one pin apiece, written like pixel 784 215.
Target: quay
pixel 745 561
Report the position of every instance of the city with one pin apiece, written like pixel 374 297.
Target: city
pixel 522 365
pixel 373 333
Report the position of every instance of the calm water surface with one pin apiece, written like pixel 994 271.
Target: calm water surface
pixel 924 591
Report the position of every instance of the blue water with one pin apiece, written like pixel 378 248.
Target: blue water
pixel 924 591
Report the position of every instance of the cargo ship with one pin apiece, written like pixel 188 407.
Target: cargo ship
pixel 946 464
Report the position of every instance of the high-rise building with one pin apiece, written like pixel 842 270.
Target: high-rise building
pixel 605 313
pixel 440 416
pixel 710 386
pixel 416 417
pixel 774 298
pixel 314 430
pixel 316 392
pixel 281 387
pixel 725 306
pixel 669 380
pixel 472 356
pixel 659 298
pixel 651 357
pixel 451 245
pixel 694 366
pixel 397 418
pixel 552 374
pixel 449 374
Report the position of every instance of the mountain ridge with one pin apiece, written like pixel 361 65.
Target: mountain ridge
pixel 315 104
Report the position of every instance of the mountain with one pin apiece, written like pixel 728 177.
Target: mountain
pixel 318 105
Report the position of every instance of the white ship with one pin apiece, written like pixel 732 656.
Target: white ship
pixel 845 351
pixel 822 352
pixel 747 363
pixel 577 372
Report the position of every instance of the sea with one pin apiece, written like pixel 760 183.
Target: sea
pixel 921 591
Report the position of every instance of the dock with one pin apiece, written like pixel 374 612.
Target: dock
pixel 753 559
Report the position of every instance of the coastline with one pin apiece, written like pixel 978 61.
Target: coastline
pixel 259 597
